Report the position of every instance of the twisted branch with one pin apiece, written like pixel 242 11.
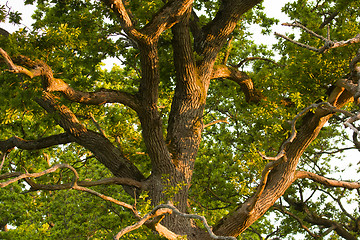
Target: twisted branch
pixel 170 209
pixel 75 184
pixel 51 84
pixel 283 210
pixel 328 44
pixel 326 181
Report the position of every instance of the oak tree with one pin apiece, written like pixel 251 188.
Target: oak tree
pixel 197 120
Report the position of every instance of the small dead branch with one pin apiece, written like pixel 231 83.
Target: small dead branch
pixel 3 157
pixel 215 122
pixel 169 209
pixel 97 125
pixel 328 44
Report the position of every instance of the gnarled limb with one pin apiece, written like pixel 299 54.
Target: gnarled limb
pixel 328 43
pixel 127 25
pixel 75 184
pixel 170 209
pixel 166 17
pixel 241 78
pixel 216 32
pixel 326 181
pixel 283 210
pixel 102 148
pixel 281 176
pixel 51 84
pixel 41 143
pixel 313 218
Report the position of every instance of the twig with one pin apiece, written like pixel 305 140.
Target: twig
pixel 97 124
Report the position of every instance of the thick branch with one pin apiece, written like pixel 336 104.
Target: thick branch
pixel 51 84
pixel 46 142
pixel 216 32
pixel 282 175
pixel 166 17
pixel 64 116
pixel 241 78
pixel 119 9
pixel 4 32
pixel 102 148
pixel 313 218
pixel 326 181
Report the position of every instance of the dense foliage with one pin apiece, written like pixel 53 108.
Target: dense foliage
pixel 75 37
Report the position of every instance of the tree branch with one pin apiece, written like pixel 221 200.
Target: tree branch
pixel 215 122
pixel 283 210
pixel 216 32
pixel 328 44
pixel 166 17
pixel 326 181
pixel 119 9
pixel 41 143
pixel 32 175
pixel 2 157
pixel 51 84
pixel 170 209
pixel 241 78
pixel 75 184
pixel 105 181
pixel 313 218
pixel 102 148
